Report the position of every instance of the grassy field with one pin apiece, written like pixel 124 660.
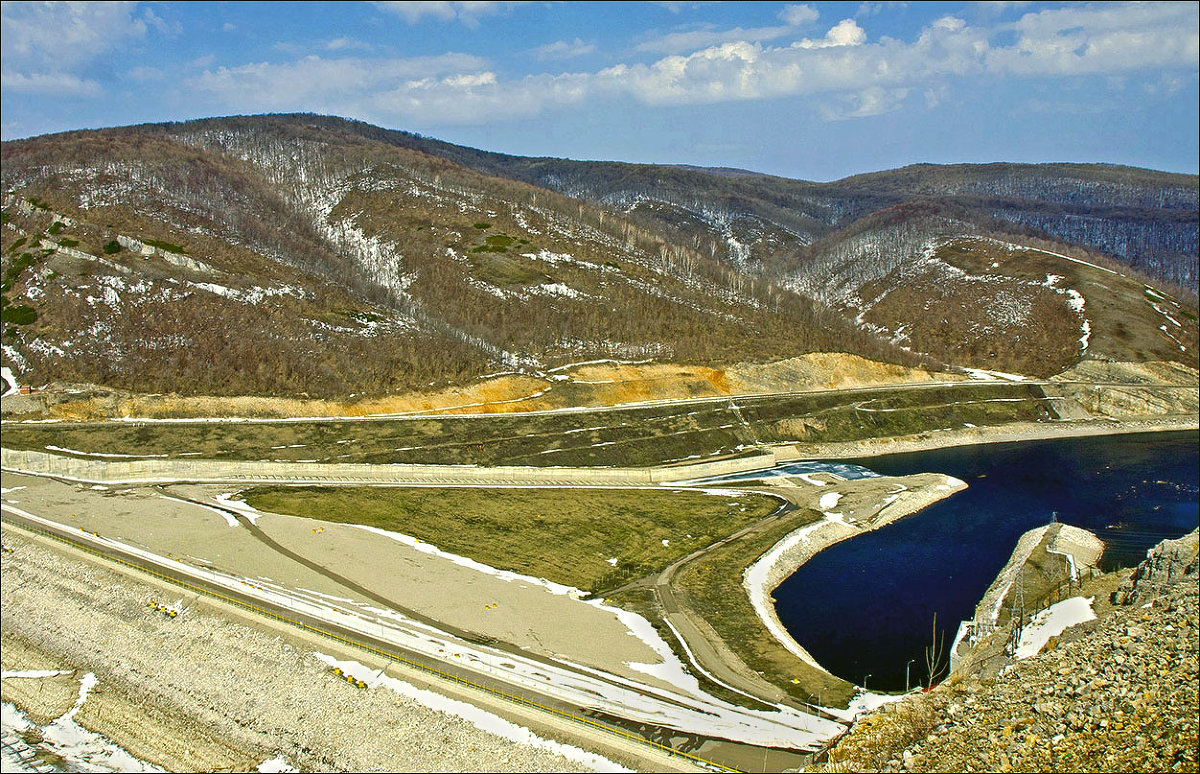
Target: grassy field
pixel 567 538
pixel 712 586
pixel 620 437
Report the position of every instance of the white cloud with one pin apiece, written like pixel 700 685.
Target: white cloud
pixel 344 44
pixel 45 46
pixel 872 101
pixel 562 49
pixel 1109 38
pixel 844 33
pixel 798 15
pixel 871 9
pixel 314 83
pixel 794 17
pixel 59 84
pixel 999 8
pixel 855 76
pixel 468 13
pixel 63 35
pixel 145 74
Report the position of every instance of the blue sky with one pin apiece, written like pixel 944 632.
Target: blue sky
pixel 815 91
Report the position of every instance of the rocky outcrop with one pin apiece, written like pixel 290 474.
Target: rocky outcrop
pixel 1168 563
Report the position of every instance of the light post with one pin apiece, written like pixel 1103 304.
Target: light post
pixel 865 679
pixel 907 667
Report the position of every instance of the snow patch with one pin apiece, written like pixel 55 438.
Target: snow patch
pixel 9 380
pixel 34 673
pixel 251 513
pixel 276 766
pixel 1052 622
pixel 88 751
pixel 481 719
pixel 829 500
pixel 462 561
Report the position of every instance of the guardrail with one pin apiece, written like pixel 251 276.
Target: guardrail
pixel 580 720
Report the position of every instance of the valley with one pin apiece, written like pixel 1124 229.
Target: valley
pixel 546 435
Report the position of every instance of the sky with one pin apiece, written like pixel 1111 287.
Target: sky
pixel 815 91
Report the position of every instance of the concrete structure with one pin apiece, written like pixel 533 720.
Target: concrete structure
pixel 159 471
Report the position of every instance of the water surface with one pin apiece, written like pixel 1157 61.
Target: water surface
pixel 865 606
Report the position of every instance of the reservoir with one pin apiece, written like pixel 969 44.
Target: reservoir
pixel 865 606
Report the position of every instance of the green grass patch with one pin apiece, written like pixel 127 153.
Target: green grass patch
pixel 170 247
pixel 19 314
pixel 483 225
pixel 566 536
pixel 17 268
pixel 112 247
pixel 56 227
pixel 503 270
pixel 17 245
pixel 363 317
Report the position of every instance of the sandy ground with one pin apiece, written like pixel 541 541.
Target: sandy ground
pixel 602 383
pixel 525 614
pixel 205 692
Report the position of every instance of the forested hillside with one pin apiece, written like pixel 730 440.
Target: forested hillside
pixel 291 255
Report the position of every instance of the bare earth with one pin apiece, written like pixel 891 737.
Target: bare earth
pixel 527 615
pixel 206 692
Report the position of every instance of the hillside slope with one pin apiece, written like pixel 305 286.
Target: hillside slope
pixel 312 256
pixel 272 256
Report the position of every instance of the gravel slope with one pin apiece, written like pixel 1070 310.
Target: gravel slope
pixel 204 692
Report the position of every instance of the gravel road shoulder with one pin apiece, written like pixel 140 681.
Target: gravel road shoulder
pixel 205 692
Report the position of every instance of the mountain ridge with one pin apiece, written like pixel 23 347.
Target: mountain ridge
pixel 431 262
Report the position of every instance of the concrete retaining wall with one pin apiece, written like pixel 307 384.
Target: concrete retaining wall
pixel 160 471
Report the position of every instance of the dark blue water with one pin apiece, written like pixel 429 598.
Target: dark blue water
pixel 865 606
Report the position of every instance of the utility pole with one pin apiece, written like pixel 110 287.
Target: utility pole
pixel 907 667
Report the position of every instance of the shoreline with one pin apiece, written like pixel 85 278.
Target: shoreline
pixel 1013 432
pixel 790 553
pixel 786 556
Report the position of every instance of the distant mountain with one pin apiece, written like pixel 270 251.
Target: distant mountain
pixel 307 254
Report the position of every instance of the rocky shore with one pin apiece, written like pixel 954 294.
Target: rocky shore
pixel 1116 694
